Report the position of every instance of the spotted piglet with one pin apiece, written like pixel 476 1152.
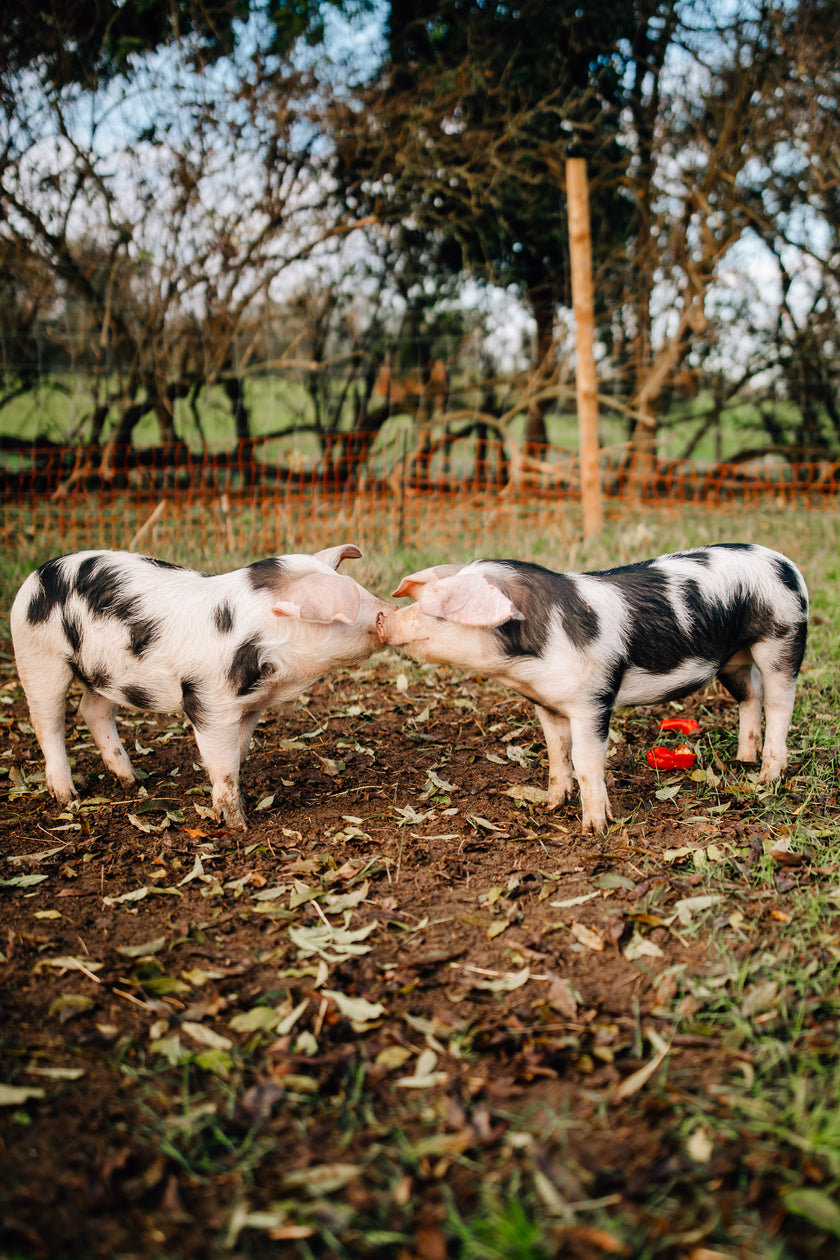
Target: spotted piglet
pixel 140 632
pixel 578 644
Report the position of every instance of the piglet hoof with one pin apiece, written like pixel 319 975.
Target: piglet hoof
pixel 233 821
pixel 771 773
pixel 63 796
pixel 230 816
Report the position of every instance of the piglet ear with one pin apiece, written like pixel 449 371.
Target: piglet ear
pixel 333 556
pixel 319 597
pixel 469 599
pixel 414 582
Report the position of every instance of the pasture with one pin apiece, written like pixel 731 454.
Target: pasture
pixel 411 1014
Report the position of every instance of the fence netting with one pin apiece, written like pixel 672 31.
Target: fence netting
pixel 262 497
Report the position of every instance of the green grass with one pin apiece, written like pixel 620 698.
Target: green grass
pixel 60 410
pixel 774 1111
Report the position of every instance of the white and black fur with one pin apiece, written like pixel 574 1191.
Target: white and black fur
pixel 139 632
pixel 579 644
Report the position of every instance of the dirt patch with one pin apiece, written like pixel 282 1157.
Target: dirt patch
pixel 405 992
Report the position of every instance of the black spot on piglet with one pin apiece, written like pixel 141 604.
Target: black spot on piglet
pixel 142 634
pixel 246 670
pixel 223 618
pixel 264 574
pixel 71 627
pixel 102 586
pixel 137 697
pixel 191 701
pixel 53 589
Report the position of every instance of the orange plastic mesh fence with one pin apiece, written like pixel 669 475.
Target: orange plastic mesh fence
pixel 261 498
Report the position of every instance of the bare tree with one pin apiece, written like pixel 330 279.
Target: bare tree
pixel 174 198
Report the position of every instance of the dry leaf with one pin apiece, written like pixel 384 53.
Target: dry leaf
pixel 587 937
pixel 561 997
pixel 636 1080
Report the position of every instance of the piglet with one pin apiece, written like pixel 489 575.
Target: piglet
pixel 140 632
pixel 578 644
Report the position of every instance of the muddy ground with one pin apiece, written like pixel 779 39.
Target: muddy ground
pixel 408 998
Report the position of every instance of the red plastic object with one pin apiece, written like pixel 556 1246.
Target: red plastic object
pixel 685 726
pixel 680 758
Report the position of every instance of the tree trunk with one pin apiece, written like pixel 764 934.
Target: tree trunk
pixel 536 435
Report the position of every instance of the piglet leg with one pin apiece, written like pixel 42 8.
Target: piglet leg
pixel 99 716
pixel 219 744
pixel 779 697
pixel 247 726
pixel 589 757
pixel 46 709
pixel 743 680
pixel 559 743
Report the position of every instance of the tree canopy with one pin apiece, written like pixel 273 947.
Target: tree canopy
pixel 87 42
pixel 168 171
pixel 459 141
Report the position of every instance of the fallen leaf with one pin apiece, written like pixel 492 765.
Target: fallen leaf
pixel 286 1022
pixel 700 1146
pixel 258 1019
pixel 358 1010
pixel 527 792
pixel 137 894
pixel 41 856
pixel 424 1074
pixel 57 1073
pixel 602 1240
pixel 86 965
pixel 147 827
pixel 256 1103
pixel 573 901
pixel 475 820
pixel 70 1004
pixel 444 1144
pixel 640 947
pixel 332 943
pixel 760 998
pixel 323 1178
pixel 497 927
pixel 197 872
pixel 688 906
pixel 15 1095
pixel 562 997
pixel 206 1036
pixel 506 983
pixel 815 1206
pixel 636 1080
pixel 587 937
pixel 392 1057
pixel 138 951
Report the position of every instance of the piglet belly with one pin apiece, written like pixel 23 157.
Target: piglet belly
pixel 640 686
pixel 135 684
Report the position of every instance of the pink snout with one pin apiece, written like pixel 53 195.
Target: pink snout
pixel 380 627
pixel 399 625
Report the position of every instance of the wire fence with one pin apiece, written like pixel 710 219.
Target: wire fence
pixel 259 499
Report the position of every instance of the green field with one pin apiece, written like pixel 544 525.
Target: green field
pixel 60 412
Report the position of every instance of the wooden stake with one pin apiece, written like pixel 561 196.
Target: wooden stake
pixel 580 246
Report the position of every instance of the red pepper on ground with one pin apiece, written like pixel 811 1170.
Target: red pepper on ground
pixel 680 758
pixel 685 726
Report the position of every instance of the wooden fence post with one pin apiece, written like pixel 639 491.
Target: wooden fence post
pixel 580 246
